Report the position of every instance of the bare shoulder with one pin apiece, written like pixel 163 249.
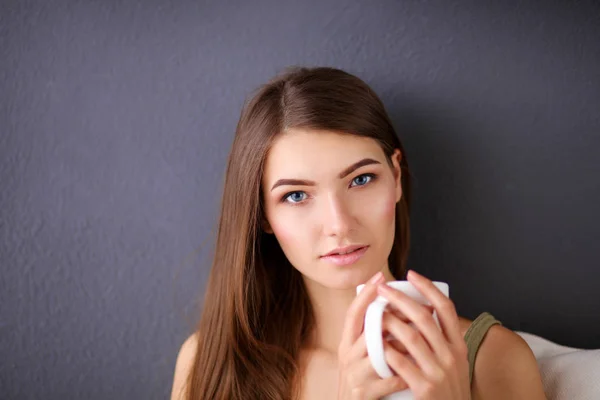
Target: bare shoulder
pixel 505 367
pixel 183 365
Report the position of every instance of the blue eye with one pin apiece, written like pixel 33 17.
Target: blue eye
pixel 363 179
pixel 297 197
pixel 293 196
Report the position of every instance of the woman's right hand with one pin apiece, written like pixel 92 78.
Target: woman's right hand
pixel 357 378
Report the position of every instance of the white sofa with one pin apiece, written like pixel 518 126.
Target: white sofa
pixel 567 373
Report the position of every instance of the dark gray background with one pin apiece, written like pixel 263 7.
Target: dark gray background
pixel 117 117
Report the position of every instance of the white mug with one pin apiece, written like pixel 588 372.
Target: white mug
pixel 373 329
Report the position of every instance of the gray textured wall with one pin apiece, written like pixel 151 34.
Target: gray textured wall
pixel 117 116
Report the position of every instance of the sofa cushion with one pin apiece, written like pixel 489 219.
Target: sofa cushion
pixel 567 373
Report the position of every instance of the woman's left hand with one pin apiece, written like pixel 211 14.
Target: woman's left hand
pixel 441 355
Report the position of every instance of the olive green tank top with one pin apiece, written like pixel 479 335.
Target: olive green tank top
pixel 474 336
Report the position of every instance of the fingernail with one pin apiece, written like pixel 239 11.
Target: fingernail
pixel 376 277
pixel 413 274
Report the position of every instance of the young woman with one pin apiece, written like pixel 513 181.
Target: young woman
pixel 316 201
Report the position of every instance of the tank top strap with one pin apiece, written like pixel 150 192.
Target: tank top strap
pixel 474 336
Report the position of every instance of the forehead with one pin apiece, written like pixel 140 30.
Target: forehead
pixel 311 154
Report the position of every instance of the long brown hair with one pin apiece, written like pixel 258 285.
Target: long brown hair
pixel 256 312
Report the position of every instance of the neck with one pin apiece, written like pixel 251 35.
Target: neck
pixel 330 307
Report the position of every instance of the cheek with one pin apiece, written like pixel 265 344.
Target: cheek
pixel 383 223
pixel 389 207
pixel 384 209
pixel 289 234
pixel 284 233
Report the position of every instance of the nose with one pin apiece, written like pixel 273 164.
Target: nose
pixel 336 216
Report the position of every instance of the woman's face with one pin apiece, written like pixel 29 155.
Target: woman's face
pixel 325 190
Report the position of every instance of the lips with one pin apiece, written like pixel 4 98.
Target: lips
pixel 346 259
pixel 344 250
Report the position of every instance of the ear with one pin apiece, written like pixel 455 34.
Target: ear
pixel 396 159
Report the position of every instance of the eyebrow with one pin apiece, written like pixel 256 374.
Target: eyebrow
pixel 341 175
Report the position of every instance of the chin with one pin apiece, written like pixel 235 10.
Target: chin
pixel 348 279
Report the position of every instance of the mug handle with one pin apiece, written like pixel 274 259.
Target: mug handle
pixel 374 339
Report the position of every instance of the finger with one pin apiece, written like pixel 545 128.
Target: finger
pixel 389 335
pixel 416 345
pixel 363 371
pixel 355 315
pixel 421 318
pixel 391 352
pixel 446 310
pixel 404 367
pixel 382 387
pixel 357 350
pixel 403 317
pixel 397 345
